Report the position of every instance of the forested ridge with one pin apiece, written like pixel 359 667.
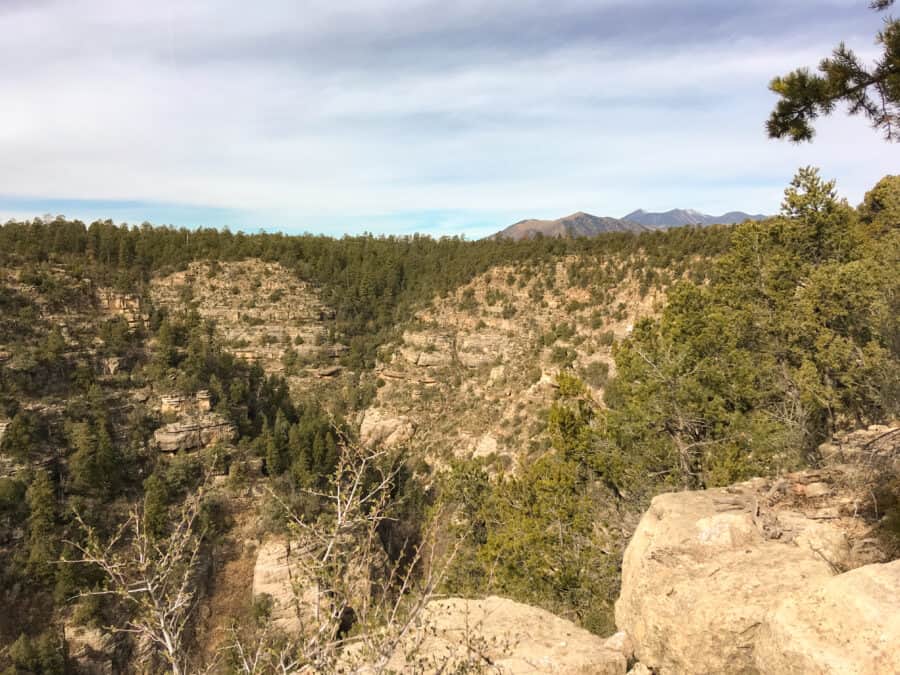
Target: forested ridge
pixel 372 283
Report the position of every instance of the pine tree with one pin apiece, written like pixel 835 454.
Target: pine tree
pixel 156 506
pixel 42 537
pixel 873 92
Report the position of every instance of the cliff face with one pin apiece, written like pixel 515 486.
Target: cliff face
pixel 261 308
pixel 770 576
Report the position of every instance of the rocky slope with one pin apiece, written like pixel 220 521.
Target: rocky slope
pixel 263 309
pixel 473 372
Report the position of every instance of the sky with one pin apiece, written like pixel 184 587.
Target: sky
pixel 396 116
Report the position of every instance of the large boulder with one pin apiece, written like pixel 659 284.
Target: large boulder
pixel 379 427
pixel 700 574
pixel 505 636
pixel 847 625
pixel 770 576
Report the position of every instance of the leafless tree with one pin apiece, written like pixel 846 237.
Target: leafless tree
pixel 154 579
pixel 344 578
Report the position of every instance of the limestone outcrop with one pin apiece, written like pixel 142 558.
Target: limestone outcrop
pixel 427 350
pixel 847 624
pixel 381 428
pixel 294 594
pixel 506 637
pixel 483 347
pixel 767 576
pixel 276 575
pixel 194 433
pixel 125 305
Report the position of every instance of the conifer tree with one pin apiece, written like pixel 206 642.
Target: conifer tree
pixel 42 547
pixel 843 78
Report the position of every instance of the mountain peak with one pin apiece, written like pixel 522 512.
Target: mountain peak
pixel 578 224
pixel 680 217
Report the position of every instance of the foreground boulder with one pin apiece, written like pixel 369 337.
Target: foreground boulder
pixel 697 583
pixel 771 576
pixel 848 624
pixel 503 636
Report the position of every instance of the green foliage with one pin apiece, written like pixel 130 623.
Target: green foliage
pixel 96 464
pixel 746 375
pixel 44 655
pixel 19 438
pixel 596 373
pixel 533 536
pixel 13 508
pixel 880 210
pixel 42 532
pixel 157 495
pixel 873 92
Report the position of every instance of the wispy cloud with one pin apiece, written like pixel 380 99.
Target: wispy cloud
pixel 417 115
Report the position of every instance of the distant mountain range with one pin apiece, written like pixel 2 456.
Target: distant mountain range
pixel 586 225
pixel 576 225
pixel 679 217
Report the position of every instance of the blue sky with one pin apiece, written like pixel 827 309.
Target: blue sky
pixel 396 116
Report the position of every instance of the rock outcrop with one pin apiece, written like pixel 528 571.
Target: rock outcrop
pixel 91 650
pixel 275 575
pixel 754 578
pixel 293 592
pixel 380 428
pixel 194 433
pixel 847 624
pixel 125 305
pixel 506 637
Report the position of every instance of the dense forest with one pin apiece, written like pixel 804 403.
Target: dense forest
pixel 775 335
pixel 371 283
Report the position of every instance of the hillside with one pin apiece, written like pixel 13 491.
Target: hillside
pixel 586 225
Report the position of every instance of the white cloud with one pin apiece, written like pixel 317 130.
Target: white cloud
pixel 345 110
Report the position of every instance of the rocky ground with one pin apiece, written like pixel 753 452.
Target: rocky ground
pixel 787 575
